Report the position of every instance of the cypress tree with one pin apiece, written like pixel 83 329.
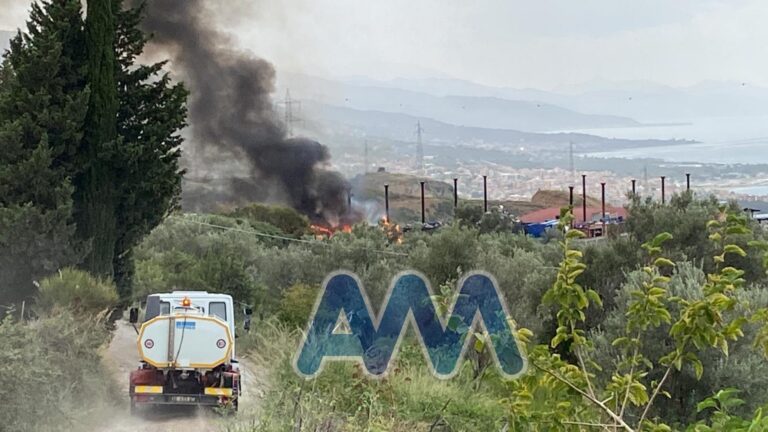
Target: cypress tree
pixel 95 194
pixel 152 111
pixel 85 131
pixel 42 106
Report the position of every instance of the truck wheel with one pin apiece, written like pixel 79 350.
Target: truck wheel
pixel 134 409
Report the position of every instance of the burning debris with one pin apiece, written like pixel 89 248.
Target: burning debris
pixel 231 113
pixel 322 232
pixel 392 230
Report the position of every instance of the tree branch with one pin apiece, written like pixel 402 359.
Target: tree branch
pixel 596 402
pixel 604 426
pixel 655 393
pixel 586 373
pixel 631 373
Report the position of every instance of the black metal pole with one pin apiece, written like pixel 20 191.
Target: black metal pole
pixel 634 191
pixel 455 193
pixel 663 194
pixel 485 194
pixel 570 203
pixel 584 196
pixel 602 189
pixel 349 199
pixel 423 209
pixel 386 202
pixel 687 181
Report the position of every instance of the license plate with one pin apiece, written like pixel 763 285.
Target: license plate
pixel 183 399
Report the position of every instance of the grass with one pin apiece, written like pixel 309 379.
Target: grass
pixel 343 398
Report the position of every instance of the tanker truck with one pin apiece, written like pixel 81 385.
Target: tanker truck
pixel 186 348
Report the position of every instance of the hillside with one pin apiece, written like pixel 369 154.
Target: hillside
pixel 551 198
pixel 405 198
pixel 474 111
pixel 400 127
pixel 371 185
pixel 641 100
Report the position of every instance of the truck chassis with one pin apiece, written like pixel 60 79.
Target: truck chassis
pixel 220 387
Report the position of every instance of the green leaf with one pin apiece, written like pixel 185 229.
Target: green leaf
pixel 573 253
pixel 594 297
pixel 663 262
pixel 705 404
pixel 479 344
pixel 734 249
pixel 698 368
pixel 454 322
pixel 758 244
pixel 661 238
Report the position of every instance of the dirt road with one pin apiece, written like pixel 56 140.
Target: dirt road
pixel 121 357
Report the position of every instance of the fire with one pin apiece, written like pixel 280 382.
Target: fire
pixel 322 231
pixel 392 230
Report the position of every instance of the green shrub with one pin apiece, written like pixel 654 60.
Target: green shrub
pixel 446 254
pixel 744 368
pixel 78 290
pixel 186 253
pixel 469 214
pixel 288 220
pixel 51 373
pixel 686 217
pixel 523 279
pixel 297 304
pixel 608 264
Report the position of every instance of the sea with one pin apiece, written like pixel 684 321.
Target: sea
pixel 721 140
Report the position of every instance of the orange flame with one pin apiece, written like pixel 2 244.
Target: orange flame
pixel 392 230
pixel 322 232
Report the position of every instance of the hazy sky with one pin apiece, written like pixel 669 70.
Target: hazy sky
pixel 517 43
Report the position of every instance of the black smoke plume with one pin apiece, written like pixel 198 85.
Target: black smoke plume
pixel 231 111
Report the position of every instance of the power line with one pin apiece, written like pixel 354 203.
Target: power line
pixel 290 239
pixel 291 117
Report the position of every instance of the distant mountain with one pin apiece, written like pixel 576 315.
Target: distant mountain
pixel 485 111
pixel 642 100
pixel 656 103
pixel 455 87
pixel 401 127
